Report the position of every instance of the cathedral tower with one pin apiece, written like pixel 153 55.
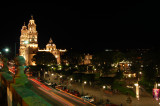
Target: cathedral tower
pixel 29 41
pixel 29 44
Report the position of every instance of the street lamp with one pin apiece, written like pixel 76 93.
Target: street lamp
pixel 59 79
pixel 6 50
pixel 69 83
pixel 104 87
pixel 83 83
pixel 137 90
pixel 102 90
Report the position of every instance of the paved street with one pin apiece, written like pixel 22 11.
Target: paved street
pixel 56 97
pixel 146 100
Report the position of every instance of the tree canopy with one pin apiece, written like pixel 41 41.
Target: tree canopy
pixel 44 58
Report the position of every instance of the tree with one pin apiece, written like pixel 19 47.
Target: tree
pixel 73 57
pixel 118 57
pixel 102 61
pixel 119 75
pixel 151 66
pixel 149 74
pixel 44 58
pixel 135 57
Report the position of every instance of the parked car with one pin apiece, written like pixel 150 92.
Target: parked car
pixel 76 93
pixel 59 87
pixel 54 85
pixel 48 83
pixel 88 98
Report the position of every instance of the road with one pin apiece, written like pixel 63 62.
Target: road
pixel 56 97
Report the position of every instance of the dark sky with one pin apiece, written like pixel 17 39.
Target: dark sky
pixel 84 26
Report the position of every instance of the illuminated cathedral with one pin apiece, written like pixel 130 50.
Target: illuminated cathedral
pixel 29 44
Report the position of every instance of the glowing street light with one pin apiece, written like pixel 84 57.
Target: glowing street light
pixel 83 83
pixel 140 72
pixel 137 90
pixel 104 87
pixel 6 50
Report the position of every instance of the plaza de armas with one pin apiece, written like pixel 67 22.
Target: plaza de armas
pixel 116 71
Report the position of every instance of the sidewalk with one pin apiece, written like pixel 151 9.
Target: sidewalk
pixel 115 98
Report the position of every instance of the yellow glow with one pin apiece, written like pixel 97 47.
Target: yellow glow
pixel 129 75
pixel 136 84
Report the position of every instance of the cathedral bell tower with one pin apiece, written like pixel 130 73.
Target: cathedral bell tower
pixel 23 41
pixel 33 40
pixel 29 41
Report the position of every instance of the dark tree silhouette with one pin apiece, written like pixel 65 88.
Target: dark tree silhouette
pixel 44 58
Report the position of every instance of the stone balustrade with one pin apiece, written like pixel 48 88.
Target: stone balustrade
pixel 16 90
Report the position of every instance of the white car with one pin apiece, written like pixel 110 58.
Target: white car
pixel 88 98
pixel 48 83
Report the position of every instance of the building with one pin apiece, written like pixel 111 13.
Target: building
pixel 51 47
pixel 29 44
pixel 87 59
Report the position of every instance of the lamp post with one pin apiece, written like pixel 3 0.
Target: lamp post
pixel 69 83
pixel 59 79
pixel 5 52
pixel 137 90
pixel 15 45
pixel 83 83
pixel 103 88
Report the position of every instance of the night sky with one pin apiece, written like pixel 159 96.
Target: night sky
pixel 84 26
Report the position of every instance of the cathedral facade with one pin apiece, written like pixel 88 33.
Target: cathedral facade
pixel 29 44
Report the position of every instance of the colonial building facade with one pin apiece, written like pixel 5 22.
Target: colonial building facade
pixel 29 44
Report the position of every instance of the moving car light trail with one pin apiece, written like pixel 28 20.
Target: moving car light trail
pixel 58 97
pixel 49 92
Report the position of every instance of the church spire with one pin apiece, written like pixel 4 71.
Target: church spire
pixel 32 17
pixel 24 27
pixel 50 41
